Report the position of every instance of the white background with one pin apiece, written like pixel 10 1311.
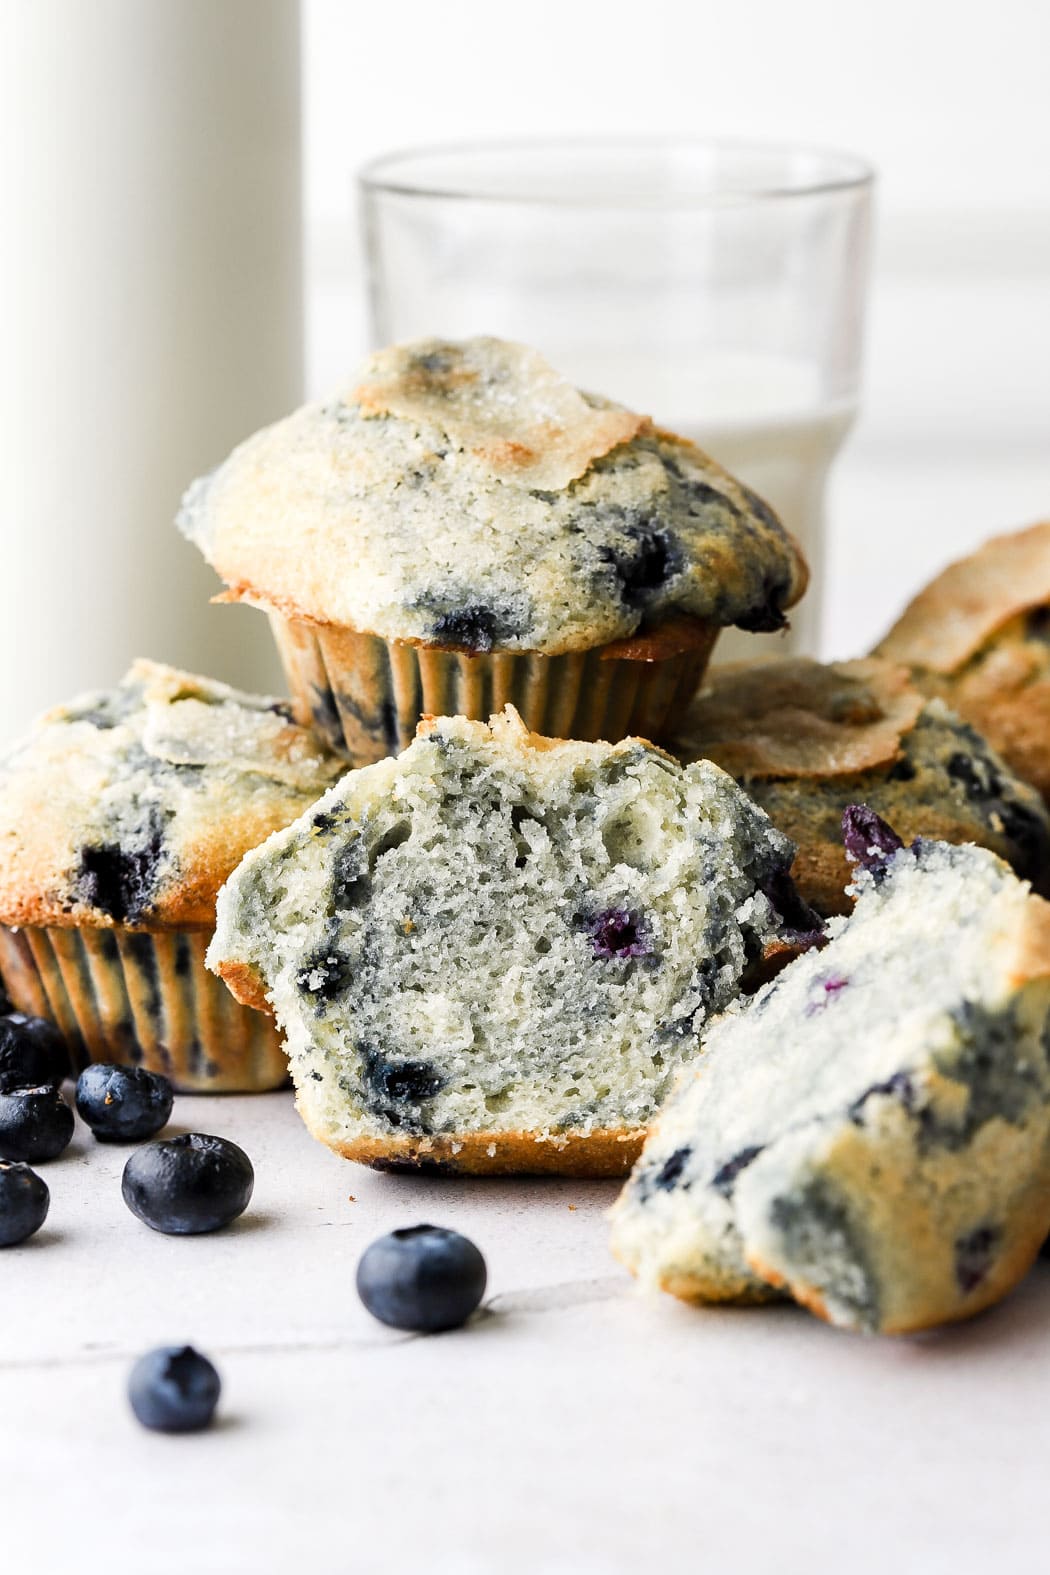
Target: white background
pixel 950 101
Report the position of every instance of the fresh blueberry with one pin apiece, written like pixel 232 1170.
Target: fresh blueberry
pixel 35 1123
pixel 869 841
pixel 423 1278
pixel 188 1184
pixel 23 1202
pixel 123 1104
pixel 32 1051
pixel 174 1390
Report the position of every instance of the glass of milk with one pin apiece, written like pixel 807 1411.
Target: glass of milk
pixel 717 286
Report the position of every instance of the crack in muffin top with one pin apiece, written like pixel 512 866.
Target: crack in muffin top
pixel 130 806
pixel 465 495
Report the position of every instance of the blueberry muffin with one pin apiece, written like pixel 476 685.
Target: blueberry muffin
pixel 121 814
pixel 870 1134
pixel 805 739
pixel 492 952
pixel 463 529
pixel 979 636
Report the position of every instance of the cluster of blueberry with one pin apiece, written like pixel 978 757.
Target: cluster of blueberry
pixel 423 1278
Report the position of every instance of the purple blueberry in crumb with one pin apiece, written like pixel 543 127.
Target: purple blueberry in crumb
pixel 616 932
pixel 724 1178
pixel 24 1201
pixel 829 988
pixel 174 1390
pixel 36 1124
pixel 423 1278
pixel 974 1256
pixel 123 1104
pixel 899 1087
pixel 670 1172
pixel 802 925
pixel 869 841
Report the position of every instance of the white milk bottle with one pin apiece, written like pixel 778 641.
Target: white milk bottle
pixel 150 290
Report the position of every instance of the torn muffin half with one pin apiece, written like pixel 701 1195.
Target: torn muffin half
pixel 870 1134
pixel 493 952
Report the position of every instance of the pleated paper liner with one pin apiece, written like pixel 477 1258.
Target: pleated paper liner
pixel 142 999
pixel 365 695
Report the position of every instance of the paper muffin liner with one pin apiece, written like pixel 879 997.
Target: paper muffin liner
pixel 142 999
pixel 365 695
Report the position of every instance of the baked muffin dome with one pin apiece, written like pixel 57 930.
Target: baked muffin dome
pixel 978 635
pixel 131 806
pixel 464 495
pixel 492 952
pixel 871 1132
pixel 806 739
pixel 120 816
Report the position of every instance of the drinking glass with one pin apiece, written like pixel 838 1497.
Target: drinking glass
pixel 717 286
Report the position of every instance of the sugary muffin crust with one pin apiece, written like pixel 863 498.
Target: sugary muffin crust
pixel 979 635
pixel 464 495
pixel 130 806
pixel 493 951
pixel 871 1133
pixel 805 739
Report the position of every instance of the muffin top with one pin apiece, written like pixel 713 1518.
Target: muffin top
pixel 806 739
pixel 978 600
pixel 979 636
pixel 131 805
pixel 464 495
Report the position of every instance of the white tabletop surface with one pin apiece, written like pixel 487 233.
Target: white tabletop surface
pixel 573 1427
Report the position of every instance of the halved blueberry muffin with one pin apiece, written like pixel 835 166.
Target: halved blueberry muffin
pixel 871 1132
pixel 492 952
pixel 463 528
pixel 121 814
pixel 806 739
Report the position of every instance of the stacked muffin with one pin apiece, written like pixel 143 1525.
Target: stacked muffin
pixel 463 529
pixel 494 923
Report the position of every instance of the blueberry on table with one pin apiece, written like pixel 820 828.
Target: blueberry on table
pixel 174 1390
pixel 423 1278
pixel 32 1051
pixel 35 1123
pixel 24 1200
pixel 123 1104
pixel 189 1184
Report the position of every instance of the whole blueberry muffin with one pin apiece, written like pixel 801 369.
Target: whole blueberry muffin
pixel 463 529
pixel 492 952
pixel 979 636
pixel 806 739
pixel 870 1134
pixel 121 814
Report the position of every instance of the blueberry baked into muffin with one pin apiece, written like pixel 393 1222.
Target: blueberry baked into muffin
pixel 979 636
pixel 493 952
pixel 121 814
pixel 463 529
pixel 871 1132
pixel 806 739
